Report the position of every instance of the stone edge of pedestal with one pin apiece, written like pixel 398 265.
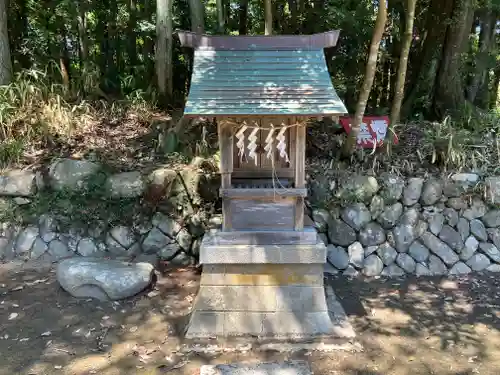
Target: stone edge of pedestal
pixel 259 254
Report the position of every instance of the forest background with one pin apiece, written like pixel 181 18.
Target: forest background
pixel 72 69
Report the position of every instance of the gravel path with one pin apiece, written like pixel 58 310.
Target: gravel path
pixel 410 327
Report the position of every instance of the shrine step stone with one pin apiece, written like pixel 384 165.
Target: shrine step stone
pixel 284 368
pixel 213 253
pixel 308 236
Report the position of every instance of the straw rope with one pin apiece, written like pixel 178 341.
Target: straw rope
pixel 243 126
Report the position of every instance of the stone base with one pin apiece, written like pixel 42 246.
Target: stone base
pixel 279 324
pixel 267 301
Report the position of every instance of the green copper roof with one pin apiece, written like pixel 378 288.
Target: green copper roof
pixel 272 76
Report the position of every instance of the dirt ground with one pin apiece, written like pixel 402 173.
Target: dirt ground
pixel 414 326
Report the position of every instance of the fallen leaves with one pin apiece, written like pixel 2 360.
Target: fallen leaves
pixel 143 353
pixel 165 368
pixel 13 316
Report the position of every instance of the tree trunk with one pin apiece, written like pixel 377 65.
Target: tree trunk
pixel 449 93
pixel 403 63
pixel 5 60
pixel 426 62
pixel 82 35
pixel 279 17
pixel 401 72
pixel 114 56
pixel 102 35
pixel 386 80
pixel 18 30
pixel 293 6
pixel 164 45
pixel 268 17
pixel 494 87
pixel 196 13
pixel 486 41
pixel 131 36
pixel 64 60
pixel 243 17
pixel 371 67
pixel 221 24
pixel 148 46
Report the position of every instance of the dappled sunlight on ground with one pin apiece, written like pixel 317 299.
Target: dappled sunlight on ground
pixel 412 327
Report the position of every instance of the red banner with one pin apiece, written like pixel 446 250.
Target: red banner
pixel 373 130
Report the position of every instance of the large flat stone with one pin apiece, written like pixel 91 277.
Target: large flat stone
pixel 103 279
pixel 285 368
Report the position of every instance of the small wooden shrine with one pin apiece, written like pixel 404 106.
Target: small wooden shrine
pixel 263 270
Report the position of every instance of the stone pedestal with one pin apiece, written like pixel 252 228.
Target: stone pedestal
pixel 268 291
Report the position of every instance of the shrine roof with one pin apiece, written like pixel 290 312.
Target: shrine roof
pixel 261 76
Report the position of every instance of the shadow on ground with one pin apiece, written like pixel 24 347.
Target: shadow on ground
pixel 410 319
pixel 408 327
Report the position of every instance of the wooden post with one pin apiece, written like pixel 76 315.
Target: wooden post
pixel 300 178
pixel 226 167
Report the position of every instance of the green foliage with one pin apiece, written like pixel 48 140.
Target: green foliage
pixel 11 150
pixel 107 48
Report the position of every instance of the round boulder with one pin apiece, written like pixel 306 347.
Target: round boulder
pixel 373 266
pixel 340 233
pixel 356 215
pixel 431 192
pixel 371 235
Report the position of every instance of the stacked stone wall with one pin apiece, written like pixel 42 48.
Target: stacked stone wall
pixel 391 226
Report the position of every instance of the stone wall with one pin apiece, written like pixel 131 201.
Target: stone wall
pixel 376 226
pixel 390 226
pixel 173 235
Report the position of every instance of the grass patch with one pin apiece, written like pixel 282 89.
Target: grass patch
pixel 11 151
pixel 473 148
pixel 40 120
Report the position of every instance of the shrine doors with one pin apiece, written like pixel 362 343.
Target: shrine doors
pixel 246 166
